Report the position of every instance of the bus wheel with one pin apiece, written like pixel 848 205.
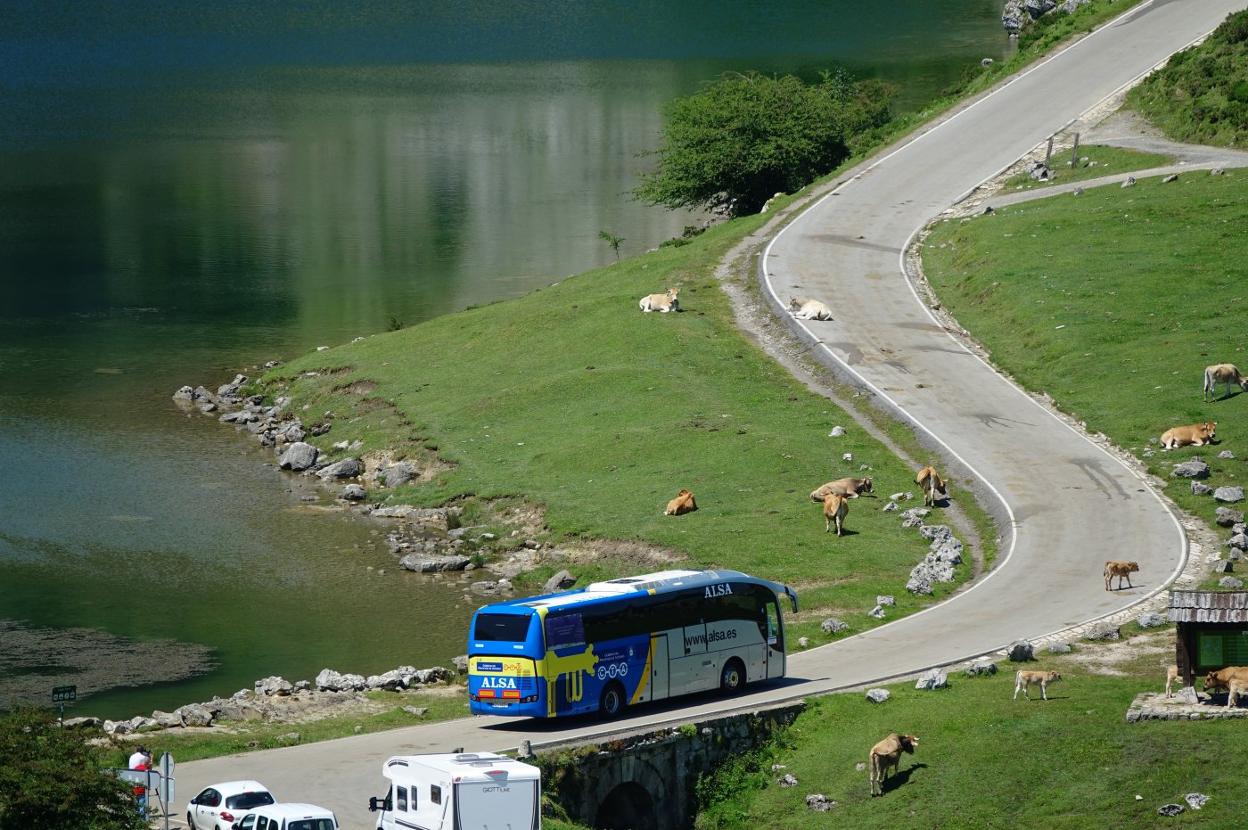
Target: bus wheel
pixel 732 678
pixel 612 702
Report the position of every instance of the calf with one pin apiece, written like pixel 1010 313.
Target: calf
pixel 1224 373
pixel 850 487
pixel 804 308
pixel 1024 680
pixel 835 509
pixel 683 503
pixel 661 302
pixel 1233 678
pixel 1172 674
pixel 1195 434
pixel 931 482
pixel 887 753
pixel 1122 570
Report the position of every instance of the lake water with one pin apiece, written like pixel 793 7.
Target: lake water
pixel 186 189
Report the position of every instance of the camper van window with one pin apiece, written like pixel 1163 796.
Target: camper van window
pixel 402 791
pixel 502 628
pixel 414 791
pixel 435 794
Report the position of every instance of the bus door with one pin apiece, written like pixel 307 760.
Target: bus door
pixel 688 663
pixel 775 642
pixel 660 670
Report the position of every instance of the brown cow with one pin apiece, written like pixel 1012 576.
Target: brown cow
pixel 1233 678
pixel 851 487
pixel 835 509
pixel 1024 680
pixel 932 484
pixel 683 503
pixel 1122 570
pixel 887 753
pixel 1195 434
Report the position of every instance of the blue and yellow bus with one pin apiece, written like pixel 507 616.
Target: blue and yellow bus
pixel 625 641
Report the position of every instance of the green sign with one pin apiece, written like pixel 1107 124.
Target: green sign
pixel 1215 649
pixel 61 694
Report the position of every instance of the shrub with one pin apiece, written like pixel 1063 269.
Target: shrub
pixel 745 137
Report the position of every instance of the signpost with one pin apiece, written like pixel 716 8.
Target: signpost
pixel 159 783
pixel 62 695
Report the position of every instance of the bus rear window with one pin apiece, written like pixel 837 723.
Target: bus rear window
pixel 502 628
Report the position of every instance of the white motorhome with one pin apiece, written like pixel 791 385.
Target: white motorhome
pixel 459 791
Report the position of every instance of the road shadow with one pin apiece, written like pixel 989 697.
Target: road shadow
pixel 899 780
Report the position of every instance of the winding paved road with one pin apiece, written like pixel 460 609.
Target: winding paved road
pixel 1072 505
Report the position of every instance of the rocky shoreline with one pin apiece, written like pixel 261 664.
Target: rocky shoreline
pixel 1018 14
pixel 277 700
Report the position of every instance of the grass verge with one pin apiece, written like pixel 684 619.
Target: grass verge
pixel 1087 299
pixel 250 737
pixel 1095 160
pixel 985 760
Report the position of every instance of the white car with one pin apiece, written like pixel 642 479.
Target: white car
pixel 219 806
pixel 288 817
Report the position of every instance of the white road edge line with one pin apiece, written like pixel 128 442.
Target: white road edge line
pixel 1183 541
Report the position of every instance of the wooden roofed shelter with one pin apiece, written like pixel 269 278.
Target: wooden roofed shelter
pixel 1212 631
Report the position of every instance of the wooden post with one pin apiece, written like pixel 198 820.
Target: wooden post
pixel 1048 154
pixel 1074 153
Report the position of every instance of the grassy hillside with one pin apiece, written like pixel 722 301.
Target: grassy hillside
pixel 573 399
pixel 987 761
pixel 1113 302
pixel 1201 95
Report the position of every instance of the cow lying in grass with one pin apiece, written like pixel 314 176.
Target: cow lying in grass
pixel 1024 680
pixel 1195 434
pixel 849 487
pixel 661 302
pixel 887 753
pixel 1224 373
pixel 683 503
pixel 1122 570
pixel 933 485
pixel 835 509
pixel 1232 678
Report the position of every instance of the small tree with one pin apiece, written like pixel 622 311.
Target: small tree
pixel 614 241
pixel 51 778
pixel 745 137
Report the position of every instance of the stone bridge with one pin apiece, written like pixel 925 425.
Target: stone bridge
pixel 648 780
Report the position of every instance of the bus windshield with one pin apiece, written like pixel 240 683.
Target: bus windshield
pixel 502 628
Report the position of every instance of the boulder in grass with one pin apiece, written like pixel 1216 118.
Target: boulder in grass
pixel 932 679
pixel 1192 468
pixel 878 695
pixel 1021 651
pixel 559 582
pixel 1201 489
pixel 1170 810
pixel 346 468
pixel 833 626
pixel 983 667
pixel 1059 648
pixel 819 802
pixel 1150 619
pixel 1103 631
pixel 1229 495
pixel 1234 583
pixel 1226 517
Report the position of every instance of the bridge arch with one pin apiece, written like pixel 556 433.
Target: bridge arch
pixel 627 807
